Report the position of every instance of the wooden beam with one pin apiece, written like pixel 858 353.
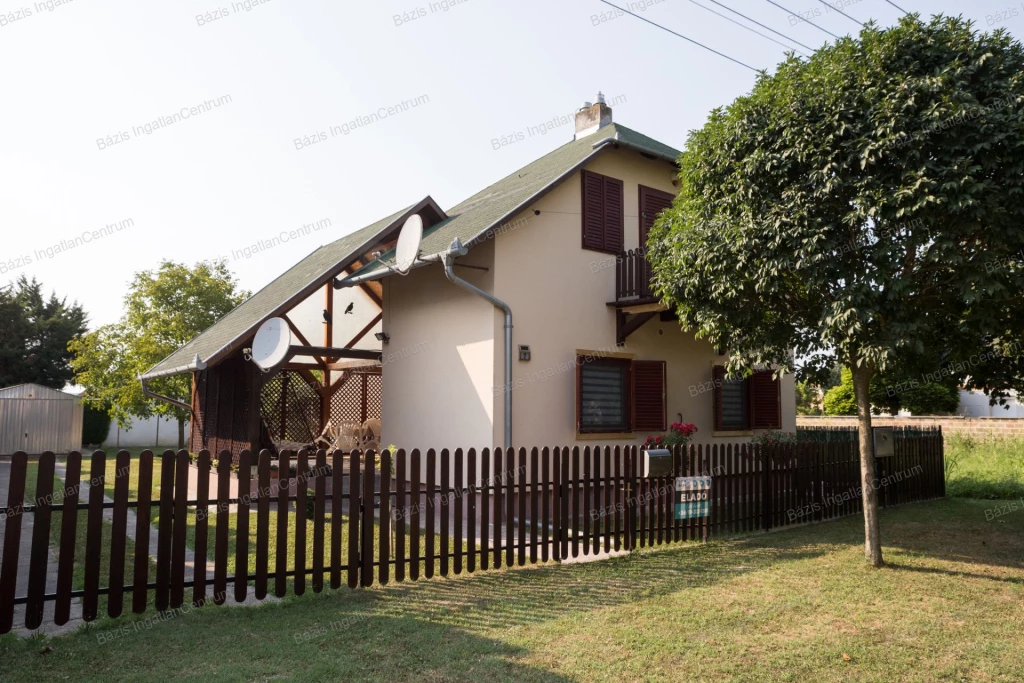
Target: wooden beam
pixel 352 364
pixel 305 342
pixel 334 352
pixel 325 405
pixel 625 326
pixel 362 332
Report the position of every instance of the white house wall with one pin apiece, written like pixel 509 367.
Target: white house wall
pixel 438 366
pixel 559 294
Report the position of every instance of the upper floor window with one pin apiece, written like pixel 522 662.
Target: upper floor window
pixel 603 211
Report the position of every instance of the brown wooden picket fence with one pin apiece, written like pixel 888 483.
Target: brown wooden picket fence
pixel 445 512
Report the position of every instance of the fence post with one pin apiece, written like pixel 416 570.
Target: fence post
pixel 766 488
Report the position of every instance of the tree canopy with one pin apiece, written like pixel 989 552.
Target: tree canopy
pixel 164 309
pixel 861 207
pixel 35 334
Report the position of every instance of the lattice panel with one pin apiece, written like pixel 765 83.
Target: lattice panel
pixel 290 408
pixel 358 398
pixel 374 395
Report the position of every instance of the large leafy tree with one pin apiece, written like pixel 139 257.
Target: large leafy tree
pixel 35 333
pixel 863 208
pixel 163 310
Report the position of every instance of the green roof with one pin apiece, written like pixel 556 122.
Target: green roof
pixel 489 208
pixel 251 313
pixel 467 221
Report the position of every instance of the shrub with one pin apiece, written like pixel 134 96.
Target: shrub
pixel 95 426
pixel 774 437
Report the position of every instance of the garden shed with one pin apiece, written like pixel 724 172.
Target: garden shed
pixel 34 418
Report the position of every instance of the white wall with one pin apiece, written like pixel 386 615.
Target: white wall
pixel 438 366
pixel 559 294
pixel 143 433
pixel 976 404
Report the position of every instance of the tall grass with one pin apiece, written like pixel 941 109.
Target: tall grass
pixel 990 467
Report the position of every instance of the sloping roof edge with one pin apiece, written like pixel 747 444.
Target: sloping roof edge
pixel 375 271
pixel 159 370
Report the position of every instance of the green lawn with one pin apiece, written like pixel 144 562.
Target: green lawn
pixel 795 605
pixel 991 468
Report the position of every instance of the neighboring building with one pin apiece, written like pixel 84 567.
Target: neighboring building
pixel 976 404
pixel 34 418
pixel 596 358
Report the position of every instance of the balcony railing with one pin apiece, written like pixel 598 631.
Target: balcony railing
pixel 633 277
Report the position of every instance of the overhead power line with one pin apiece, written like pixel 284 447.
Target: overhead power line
pixel 897 6
pixel 788 47
pixel 836 9
pixel 680 35
pixel 795 14
pixel 768 28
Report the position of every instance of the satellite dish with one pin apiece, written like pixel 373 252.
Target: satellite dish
pixel 270 347
pixel 408 249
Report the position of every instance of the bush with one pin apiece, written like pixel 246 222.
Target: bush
pixel 95 426
pixel 840 400
pixel 774 437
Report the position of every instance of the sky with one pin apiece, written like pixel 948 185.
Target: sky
pixel 266 93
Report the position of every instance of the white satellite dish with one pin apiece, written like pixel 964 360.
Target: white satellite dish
pixel 408 249
pixel 270 347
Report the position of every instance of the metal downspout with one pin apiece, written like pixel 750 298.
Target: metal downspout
pixel 497 303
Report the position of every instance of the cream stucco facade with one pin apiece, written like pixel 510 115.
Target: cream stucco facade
pixel 443 367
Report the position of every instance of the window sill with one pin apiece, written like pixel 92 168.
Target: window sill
pixel 599 436
pixel 738 432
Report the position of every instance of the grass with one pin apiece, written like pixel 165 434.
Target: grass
pixel 796 605
pixel 990 469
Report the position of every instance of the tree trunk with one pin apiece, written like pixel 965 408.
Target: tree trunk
pixel 872 540
pixel 181 433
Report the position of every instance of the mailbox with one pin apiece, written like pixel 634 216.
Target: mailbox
pixel 885 446
pixel 657 463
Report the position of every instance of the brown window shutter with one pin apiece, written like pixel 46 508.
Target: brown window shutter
pixel 765 406
pixel 579 393
pixel 652 203
pixel 593 210
pixel 614 211
pixel 603 212
pixel 649 396
pixel 718 377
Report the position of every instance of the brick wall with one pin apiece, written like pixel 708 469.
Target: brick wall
pixel 973 426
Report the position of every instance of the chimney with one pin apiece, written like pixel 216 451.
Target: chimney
pixel 591 117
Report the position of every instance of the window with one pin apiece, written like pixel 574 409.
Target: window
pixel 745 404
pixel 616 395
pixel 602 396
pixel 603 211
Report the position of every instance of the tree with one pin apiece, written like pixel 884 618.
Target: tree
pixel 862 208
pixel 807 399
pixel 163 310
pixel 892 394
pixel 35 333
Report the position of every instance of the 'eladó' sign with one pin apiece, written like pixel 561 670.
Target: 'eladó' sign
pixel 693 497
